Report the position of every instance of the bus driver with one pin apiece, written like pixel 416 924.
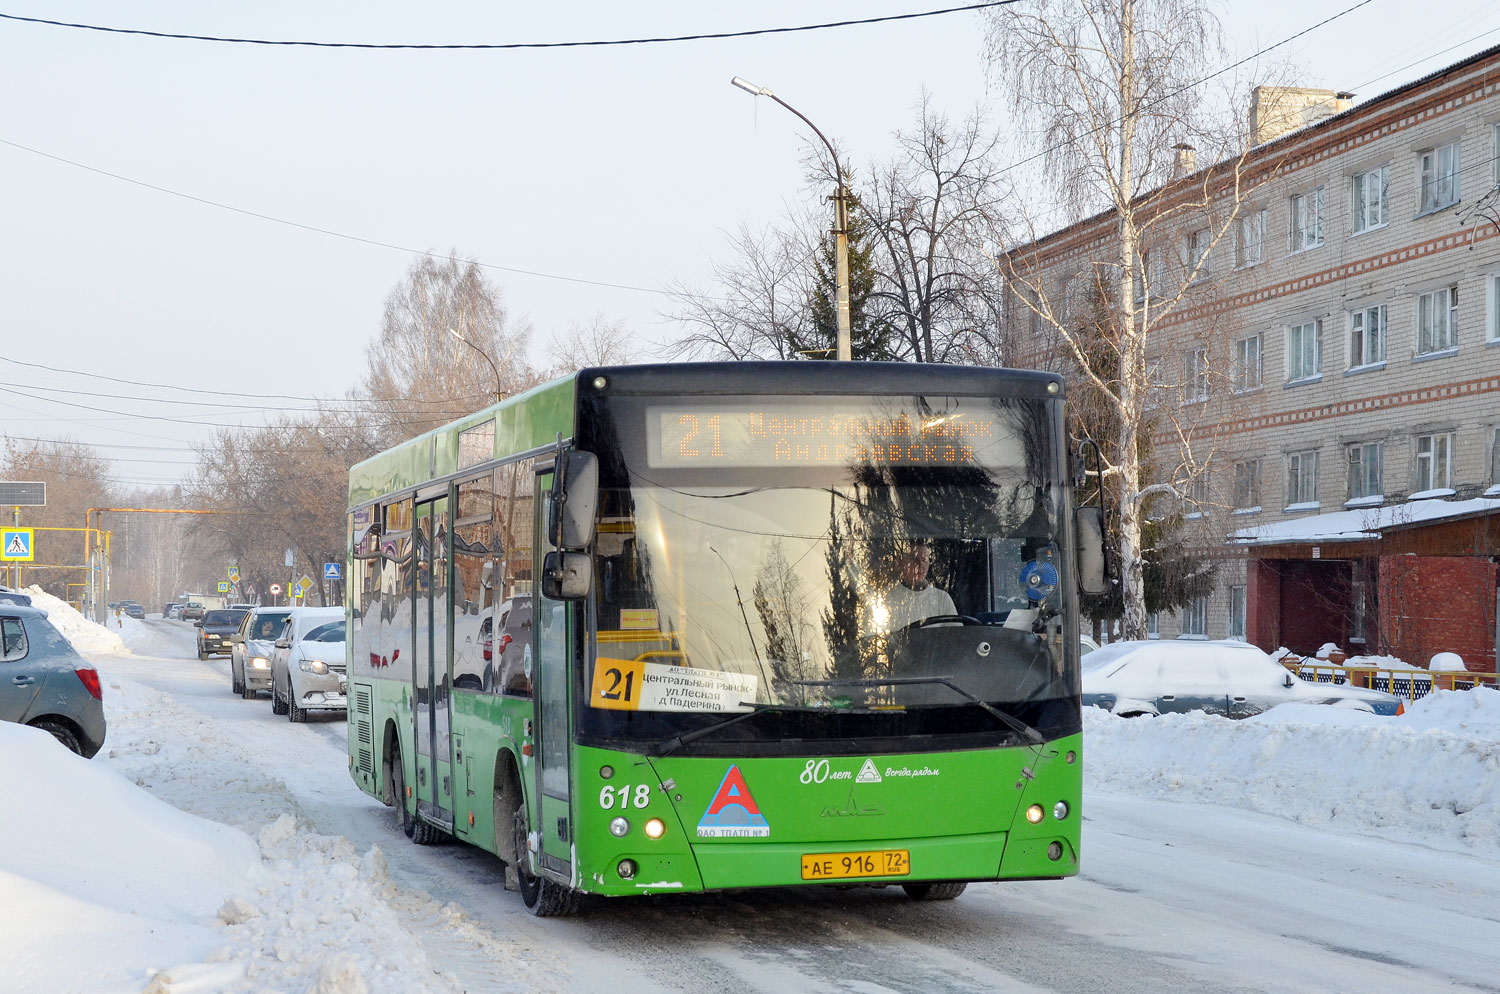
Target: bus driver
pixel 913 598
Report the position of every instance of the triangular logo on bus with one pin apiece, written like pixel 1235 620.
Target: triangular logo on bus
pixel 733 813
pixel 868 773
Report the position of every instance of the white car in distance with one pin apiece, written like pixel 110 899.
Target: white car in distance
pixel 308 671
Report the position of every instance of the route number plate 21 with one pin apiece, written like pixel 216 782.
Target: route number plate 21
pixel 847 865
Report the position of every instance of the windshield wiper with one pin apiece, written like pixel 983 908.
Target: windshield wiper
pixel 1009 721
pixel 676 742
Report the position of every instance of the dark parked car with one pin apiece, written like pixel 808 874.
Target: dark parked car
pixel 215 632
pixel 8 596
pixel 46 684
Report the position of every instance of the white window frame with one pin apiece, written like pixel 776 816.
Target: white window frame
pixel 1434 462
pixel 1437 320
pixel 1304 358
pixel 1195 252
pixel 1194 366
pixel 1369 199
pixel 1153 625
pixel 1248 352
pixel 1492 307
pixel 1250 240
pixel 1238 611
pixel 1367 327
pixel 1246 484
pixel 1308 211
pixel 1365 478
pixel 1195 617
pixel 1302 477
pixel 1495 455
pixel 1440 177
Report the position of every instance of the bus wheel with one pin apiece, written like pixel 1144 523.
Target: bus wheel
pixel 404 819
pixel 934 892
pixel 542 897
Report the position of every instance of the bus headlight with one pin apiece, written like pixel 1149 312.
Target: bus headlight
pixel 314 666
pixel 1060 810
pixel 1034 814
pixel 619 827
pixel 655 828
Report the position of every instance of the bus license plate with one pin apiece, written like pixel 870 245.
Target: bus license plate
pixel 847 865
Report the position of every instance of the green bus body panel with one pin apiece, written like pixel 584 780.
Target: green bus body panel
pixel 524 422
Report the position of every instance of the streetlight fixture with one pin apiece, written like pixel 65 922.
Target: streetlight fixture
pixel 840 222
pixel 499 394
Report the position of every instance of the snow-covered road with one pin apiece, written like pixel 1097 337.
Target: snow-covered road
pixel 1174 896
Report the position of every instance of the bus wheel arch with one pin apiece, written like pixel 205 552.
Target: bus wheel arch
pixel 509 808
pixel 390 755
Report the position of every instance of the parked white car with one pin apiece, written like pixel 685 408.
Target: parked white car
pixel 308 671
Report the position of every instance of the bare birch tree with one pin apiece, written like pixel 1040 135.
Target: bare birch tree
pixel 597 341
pixel 1111 89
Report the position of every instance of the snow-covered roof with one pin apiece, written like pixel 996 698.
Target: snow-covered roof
pixel 1365 524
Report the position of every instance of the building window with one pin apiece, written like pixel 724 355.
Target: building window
pixel 1195 376
pixel 1437 320
pixel 1153 625
pixel 1307 220
pixel 1155 388
pixel 1151 276
pixel 1304 350
pixel 1302 477
pixel 1195 253
pixel 1495 455
pixel 1433 462
pixel 1247 484
pixel 1246 364
pixel 1368 209
pixel 1237 605
pixel 1367 336
pixel 1492 325
pixel 1359 601
pixel 1364 470
pixel 1440 176
pixel 1195 617
pixel 1250 246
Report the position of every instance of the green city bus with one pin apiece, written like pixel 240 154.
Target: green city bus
pixel 675 628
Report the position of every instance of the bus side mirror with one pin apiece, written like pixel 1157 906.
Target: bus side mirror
pixel 574 496
pixel 567 576
pixel 1088 525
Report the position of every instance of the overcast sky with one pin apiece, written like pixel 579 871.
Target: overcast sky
pixel 621 165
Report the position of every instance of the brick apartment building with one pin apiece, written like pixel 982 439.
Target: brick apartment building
pixel 1340 373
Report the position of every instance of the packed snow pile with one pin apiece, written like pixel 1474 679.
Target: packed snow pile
pixel 86 636
pixel 1431 775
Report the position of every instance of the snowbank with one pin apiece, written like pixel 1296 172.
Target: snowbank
pixel 86 636
pixel 97 873
pixel 1431 775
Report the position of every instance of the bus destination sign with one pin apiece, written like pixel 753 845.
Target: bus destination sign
pixel 818 433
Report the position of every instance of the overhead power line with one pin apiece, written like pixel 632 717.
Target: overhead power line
pixel 514 45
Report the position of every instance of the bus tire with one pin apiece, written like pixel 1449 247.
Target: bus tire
pixel 426 834
pixel 542 897
pixel 404 819
pixel 945 891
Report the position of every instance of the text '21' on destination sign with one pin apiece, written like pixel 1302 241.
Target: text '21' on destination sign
pixel 822 433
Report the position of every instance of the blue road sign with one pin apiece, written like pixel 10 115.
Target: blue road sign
pixel 16 545
pixel 331 571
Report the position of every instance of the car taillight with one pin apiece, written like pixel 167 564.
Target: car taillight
pixel 90 679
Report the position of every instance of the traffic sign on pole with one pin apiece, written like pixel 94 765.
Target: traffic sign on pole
pixel 331 571
pixel 223 586
pixel 275 590
pixel 305 583
pixel 17 545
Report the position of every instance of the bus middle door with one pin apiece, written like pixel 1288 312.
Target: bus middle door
pixel 552 640
pixel 430 665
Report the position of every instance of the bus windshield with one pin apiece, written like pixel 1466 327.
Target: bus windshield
pixel 840 568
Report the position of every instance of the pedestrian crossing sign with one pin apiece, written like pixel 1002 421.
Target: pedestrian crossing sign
pixel 16 545
pixel 223 586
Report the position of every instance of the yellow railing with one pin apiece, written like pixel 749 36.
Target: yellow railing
pixel 1410 684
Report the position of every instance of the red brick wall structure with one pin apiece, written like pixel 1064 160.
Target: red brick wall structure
pixel 1432 604
pixel 1263 604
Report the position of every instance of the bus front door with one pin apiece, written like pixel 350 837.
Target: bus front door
pixel 430 665
pixel 550 628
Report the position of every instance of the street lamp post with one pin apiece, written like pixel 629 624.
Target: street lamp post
pixel 840 219
pixel 499 394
